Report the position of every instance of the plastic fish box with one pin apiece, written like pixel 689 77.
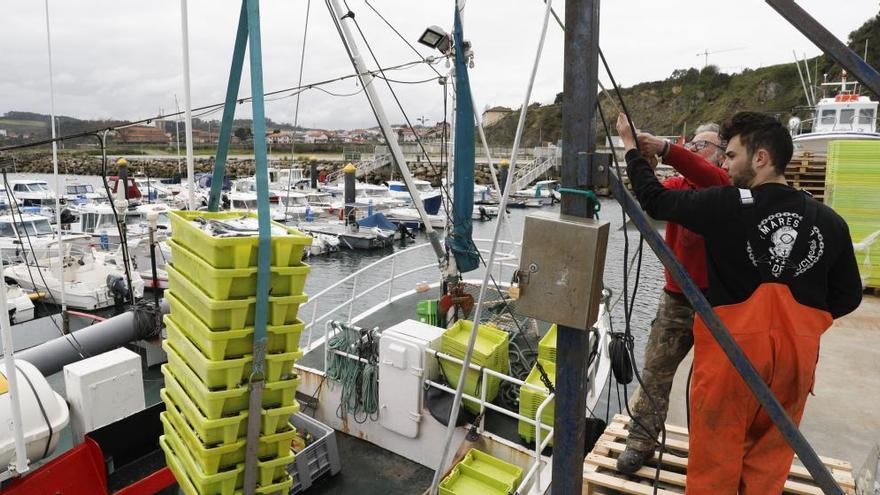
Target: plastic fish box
pixel 530 400
pixel 464 480
pixel 226 373
pixel 212 459
pixel 236 283
pixel 220 403
pixel 547 345
pixel 227 429
pixel 234 252
pixel 226 344
pixel 319 458
pixel 493 467
pixel 193 482
pixel 231 314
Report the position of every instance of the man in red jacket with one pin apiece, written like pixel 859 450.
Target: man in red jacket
pixel 672 330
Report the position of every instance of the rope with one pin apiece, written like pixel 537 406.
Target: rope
pixel 359 396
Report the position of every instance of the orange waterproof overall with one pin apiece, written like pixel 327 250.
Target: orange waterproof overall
pixel 734 446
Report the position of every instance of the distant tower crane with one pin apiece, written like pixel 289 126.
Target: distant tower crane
pixel 705 54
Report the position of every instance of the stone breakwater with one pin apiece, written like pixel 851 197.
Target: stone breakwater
pixel 235 167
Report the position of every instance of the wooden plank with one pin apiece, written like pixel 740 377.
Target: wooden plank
pixel 646 472
pixel 621 485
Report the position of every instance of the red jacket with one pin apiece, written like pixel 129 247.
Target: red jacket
pixel 696 173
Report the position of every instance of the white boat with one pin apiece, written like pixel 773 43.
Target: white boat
pixel 845 116
pixel 92 279
pixel 21 234
pixel 99 222
pixel 543 190
pixel 153 190
pixel 78 193
pixel 410 217
pixel 35 196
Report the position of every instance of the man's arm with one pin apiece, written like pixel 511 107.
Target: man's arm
pixel 695 168
pixel 700 211
pixel 844 281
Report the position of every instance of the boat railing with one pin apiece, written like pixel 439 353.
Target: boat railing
pixel 396 276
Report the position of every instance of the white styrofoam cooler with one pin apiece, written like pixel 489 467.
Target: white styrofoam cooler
pixel 103 389
pixel 403 368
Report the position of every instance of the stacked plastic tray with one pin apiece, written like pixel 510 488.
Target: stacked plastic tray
pixel 212 296
pixel 481 474
pixel 530 400
pixel 852 188
pixel 490 351
pixel 547 346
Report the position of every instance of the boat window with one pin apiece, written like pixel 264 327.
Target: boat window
pixel 105 221
pixel 828 116
pixel 39 187
pixel 425 188
pixel 36 227
pixel 20 188
pixel 88 222
pixel 866 116
pixel 6 230
pixel 847 115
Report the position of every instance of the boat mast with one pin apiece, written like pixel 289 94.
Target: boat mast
pixel 187 103
pixel 366 79
pixel 65 318
pixel 579 91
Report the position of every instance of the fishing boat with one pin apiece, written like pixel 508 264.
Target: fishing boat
pixel 847 115
pixel 35 195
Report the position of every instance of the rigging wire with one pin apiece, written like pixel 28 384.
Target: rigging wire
pixel 123 239
pixel 302 60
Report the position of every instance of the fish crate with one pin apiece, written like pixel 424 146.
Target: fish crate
pixel 235 252
pixel 601 476
pixel 319 458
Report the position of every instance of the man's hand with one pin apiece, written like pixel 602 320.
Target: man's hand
pixel 650 144
pixel 625 132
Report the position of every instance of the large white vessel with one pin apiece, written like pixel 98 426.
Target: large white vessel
pixel 845 116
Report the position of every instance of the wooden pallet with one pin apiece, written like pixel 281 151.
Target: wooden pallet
pixel 601 476
pixel 807 171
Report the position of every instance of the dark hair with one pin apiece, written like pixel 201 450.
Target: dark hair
pixel 758 130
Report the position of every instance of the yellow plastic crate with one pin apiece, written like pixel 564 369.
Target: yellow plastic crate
pixel 234 252
pixel 212 459
pixel 226 344
pixel 464 480
pixel 494 468
pixel 236 283
pixel 226 373
pixel 228 429
pixel 530 400
pixel 232 314
pixel 194 482
pixel 547 345
pixel 220 403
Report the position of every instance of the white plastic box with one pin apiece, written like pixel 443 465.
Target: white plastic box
pixel 103 389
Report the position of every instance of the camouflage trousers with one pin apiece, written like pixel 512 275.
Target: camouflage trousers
pixel 669 342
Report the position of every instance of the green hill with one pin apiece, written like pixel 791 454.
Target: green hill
pixel 690 97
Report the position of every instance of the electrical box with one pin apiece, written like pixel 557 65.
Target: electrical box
pixel 103 389
pixel 403 368
pixel 560 270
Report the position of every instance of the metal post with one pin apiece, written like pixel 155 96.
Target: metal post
pixel 313 174
pixel 20 461
pixel 821 37
pixel 391 280
pixel 579 89
pixel 350 193
pixel 505 169
pixel 187 104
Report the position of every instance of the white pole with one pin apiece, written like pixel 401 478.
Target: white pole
pixel 58 190
pixel 20 463
pixel 177 131
pixel 187 101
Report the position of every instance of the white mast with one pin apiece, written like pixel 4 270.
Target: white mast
pixel 187 101
pixel 58 190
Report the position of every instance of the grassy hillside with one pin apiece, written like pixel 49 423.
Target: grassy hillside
pixel 690 97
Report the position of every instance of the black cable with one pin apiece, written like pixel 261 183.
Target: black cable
pixel 13 206
pixel 42 410
pixel 123 240
pixel 216 106
pixel 410 45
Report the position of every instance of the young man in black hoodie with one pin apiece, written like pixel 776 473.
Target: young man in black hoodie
pixel 781 267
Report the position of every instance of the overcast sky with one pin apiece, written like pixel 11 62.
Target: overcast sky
pixel 123 58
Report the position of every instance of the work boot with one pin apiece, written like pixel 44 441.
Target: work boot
pixel 631 460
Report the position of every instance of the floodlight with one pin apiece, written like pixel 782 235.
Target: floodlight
pixel 435 37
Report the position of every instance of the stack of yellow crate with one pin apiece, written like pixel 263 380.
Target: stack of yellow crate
pixel 852 188
pixel 212 294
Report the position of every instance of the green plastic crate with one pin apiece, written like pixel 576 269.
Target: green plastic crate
pixel 226 344
pixel 235 283
pixel 234 252
pixel 212 459
pixel 547 345
pixel 194 482
pixel 227 429
pixel 220 403
pixel 530 400
pixel 464 480
pixel 490 351
pixel 225 373
pixel 493 467
pixel 426 311
pixel 231 314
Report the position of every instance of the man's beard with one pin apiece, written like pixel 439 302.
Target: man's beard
pixel 744 179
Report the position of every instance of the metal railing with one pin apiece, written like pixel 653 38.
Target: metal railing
pixel 392 277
